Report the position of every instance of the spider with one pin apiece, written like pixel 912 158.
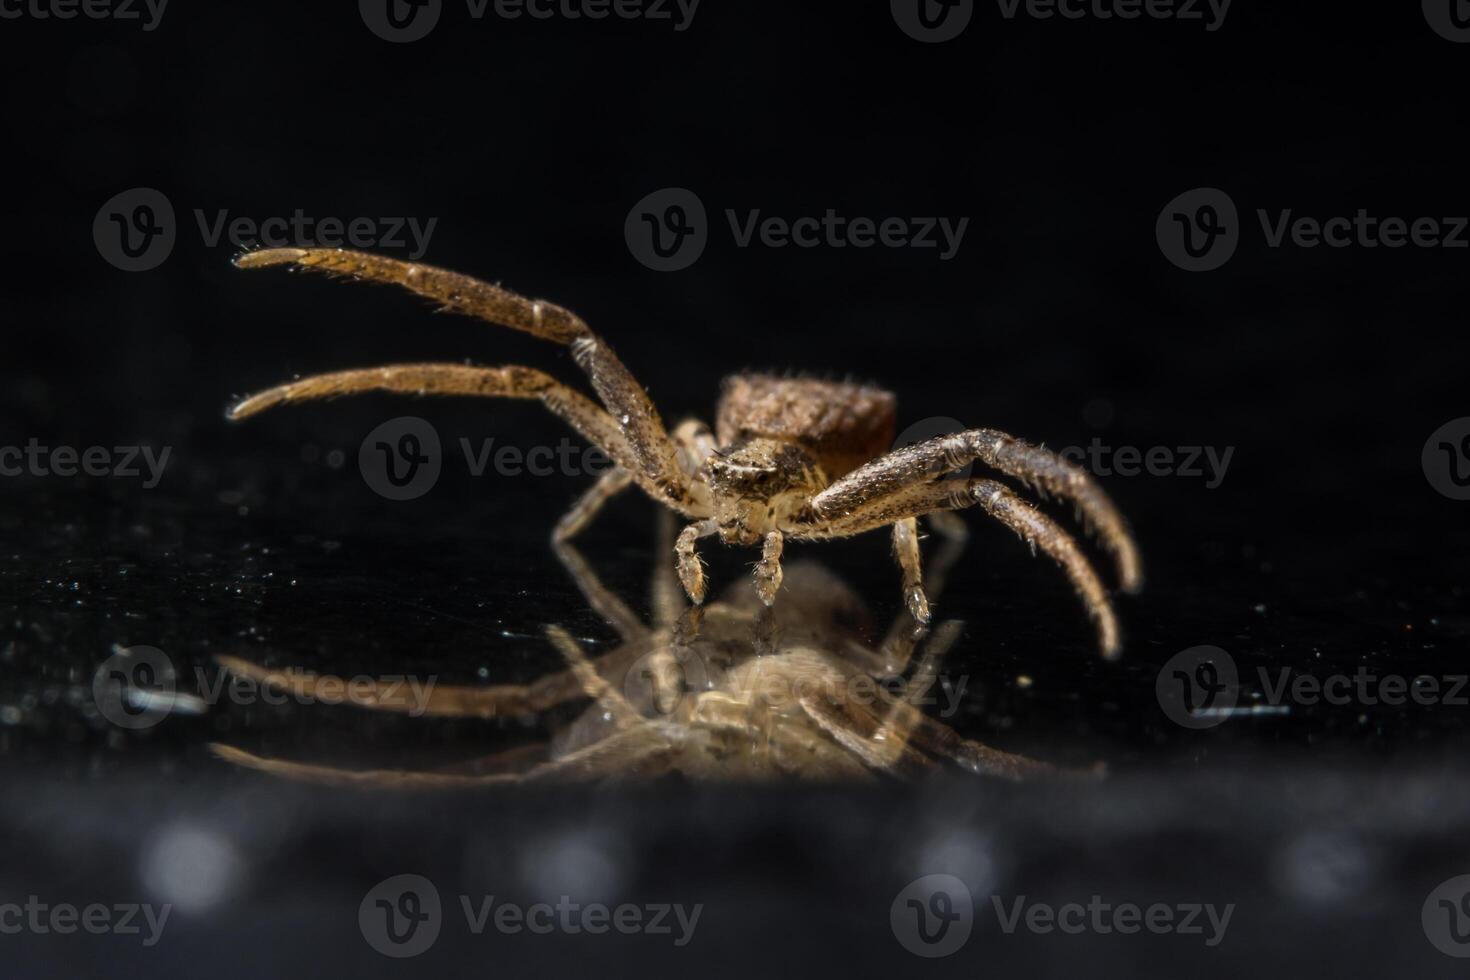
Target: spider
pixel 789 457
pixel 731 691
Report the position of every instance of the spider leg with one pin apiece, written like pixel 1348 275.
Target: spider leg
pixel 897 650
pixel 855 728
pixel 768 570
pixel 691 569
pixel 939 739
pixel 646 749
pixel 667 593
pixel 635 745
pixel 435 700
pixel 997 500
pixel 884 742
pixel 905 727
pixel 608 605
pixel 625 399
pixel 593 684
pixel 512 381
pixel 575 520
pixel 906 550
pixel 431 700
pixel 899 724
pixel 1038 467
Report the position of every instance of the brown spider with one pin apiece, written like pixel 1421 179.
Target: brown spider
pixel 795 458
pixel 731 691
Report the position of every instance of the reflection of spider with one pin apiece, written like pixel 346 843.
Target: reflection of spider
pixel 790 457
pixel 730 691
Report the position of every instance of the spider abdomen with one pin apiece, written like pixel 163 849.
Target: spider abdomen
pixel 840 424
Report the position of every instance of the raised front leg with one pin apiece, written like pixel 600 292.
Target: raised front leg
pixel 626 401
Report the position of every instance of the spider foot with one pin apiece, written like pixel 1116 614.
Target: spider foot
pixel 768 572
pixel 918 604
pixel 691 569
pixel 691 576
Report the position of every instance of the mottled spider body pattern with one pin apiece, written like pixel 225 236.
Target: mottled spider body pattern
pixel 790 457
pixel 840 425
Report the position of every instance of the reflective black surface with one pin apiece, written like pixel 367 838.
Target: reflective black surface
pixel 1323 552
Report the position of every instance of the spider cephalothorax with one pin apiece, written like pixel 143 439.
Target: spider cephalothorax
pixel 790 457
pixel 760 486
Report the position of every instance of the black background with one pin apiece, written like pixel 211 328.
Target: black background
pixel 1324 549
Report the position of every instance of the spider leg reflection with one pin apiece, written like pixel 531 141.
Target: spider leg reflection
pixel 735 689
